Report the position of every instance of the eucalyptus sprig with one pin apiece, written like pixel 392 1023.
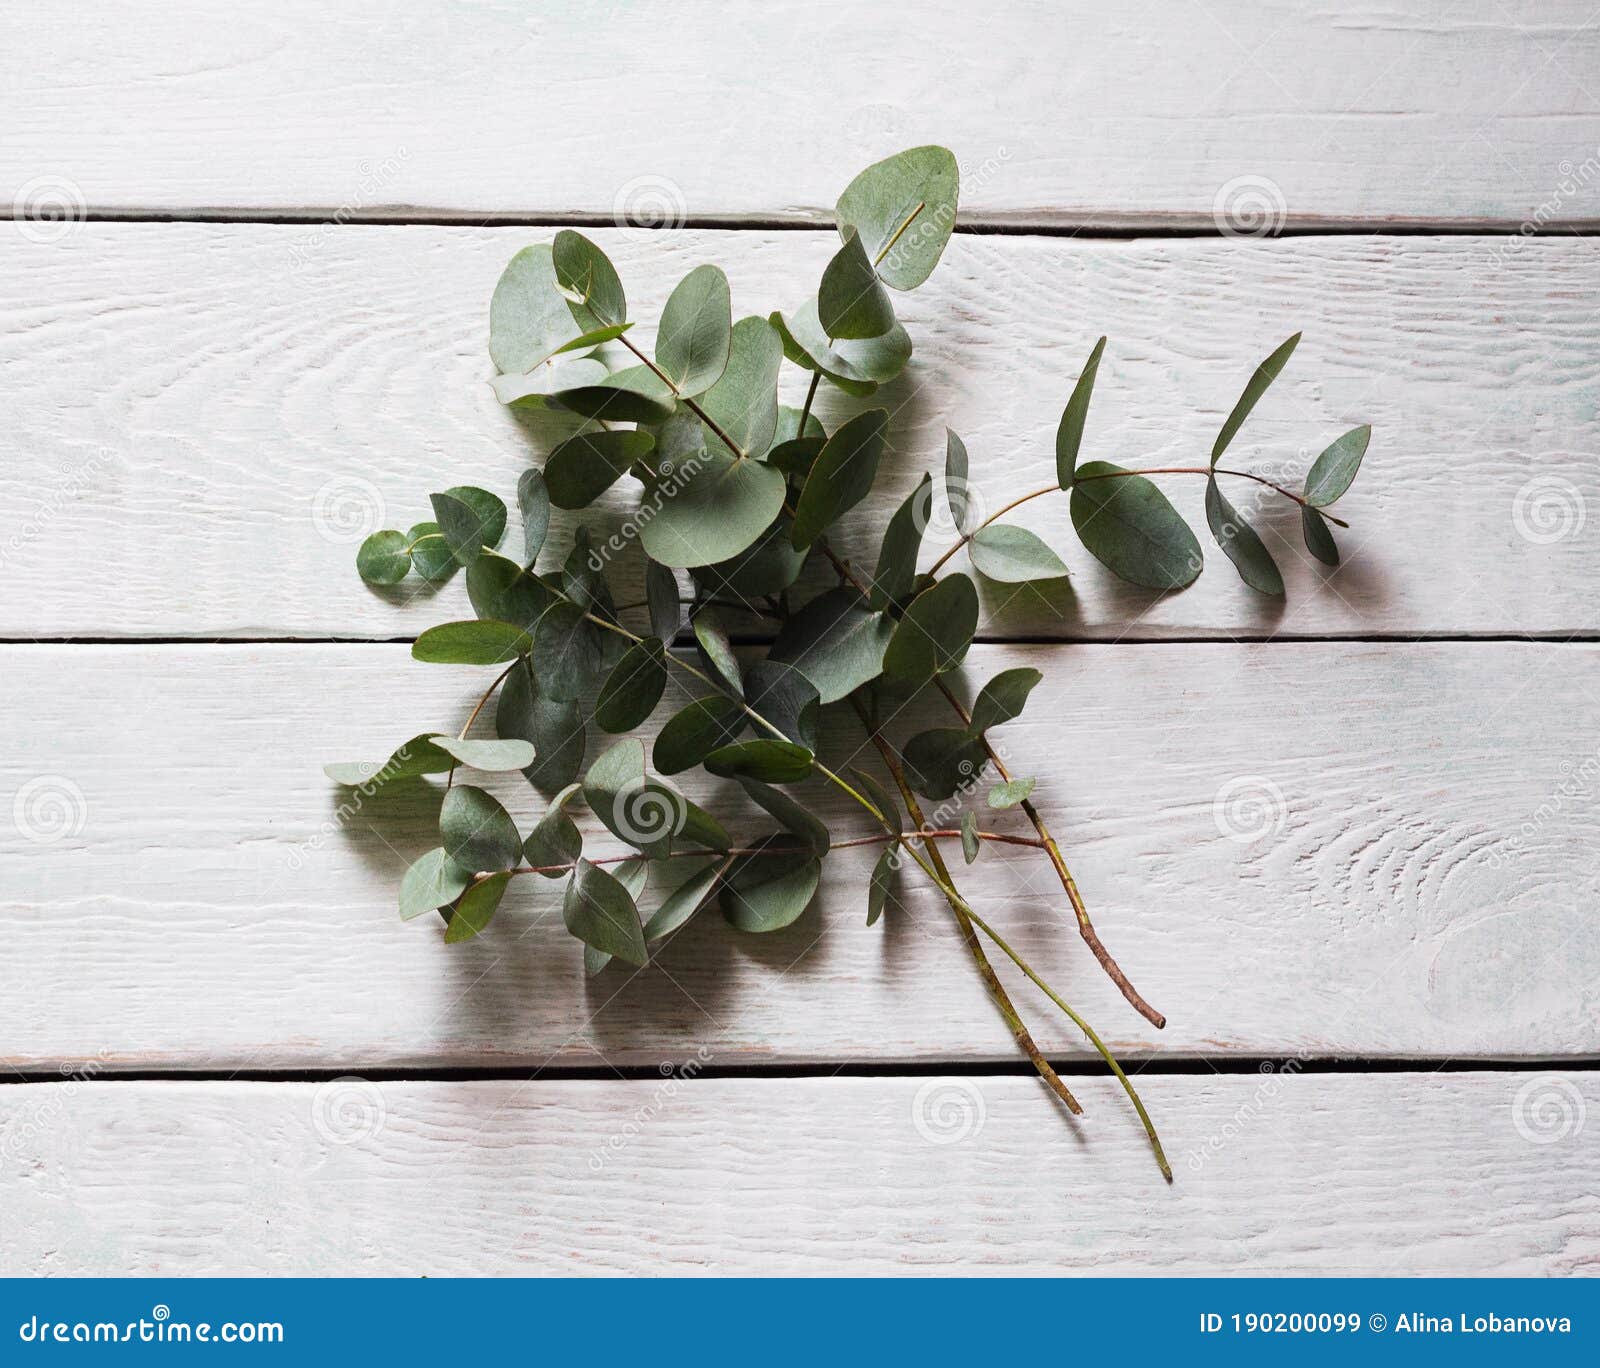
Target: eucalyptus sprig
pixel 740 493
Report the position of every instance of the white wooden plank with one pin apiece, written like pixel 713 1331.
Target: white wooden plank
pixel 206 418
pixel 1333 849
pixel 1462 110
pixel 1471 1173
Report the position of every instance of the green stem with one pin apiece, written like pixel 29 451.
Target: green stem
pixel 692 404
pixel 450 777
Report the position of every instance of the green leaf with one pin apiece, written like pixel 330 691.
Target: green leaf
pixel 583 467
pixel 716 651
pixel 567 647
pixel 478 833
pixel 836 642
pixel 611 401
pixel 969 836
pixel 768 566
pixel 555 838
pixel 476 909
pixel 1013 555
pixel 857 367
pixel 661 593
pixel 851 302
pixel 1003 698
pixel 881 800
pixel 790 815
pixel 744 402
pixel 554 727
pixel 431 556
pixel 646 814
pixel 501 589
pixel 1264 375
pixel 904 209
pixel 1069 435
pixel 710 510
pixel 934 633
pixel 683 902
pixel 699 826
pixel 902 542
pixel 418 756
pixel 767 892
pixel 583 577
pixel 531 393
pixel 432 881
pixel 481 642
pixel 796 457
pixel 487 755
pixel 1334 470
pixel 842 476
pixel 1319 541
pixel 772 762
pixel 942 760
pixel 470 520
pixel 1240 543
pixel 1129 527
pixel 589 281
pixel 1011 792
pixel 786 698
pixel 956 492
pixel 594 337
pixel 633 875
pixel 633 688
pixel 384 558
pixel 789 425
pixel 878 888
pixel 528 317
pixel 533 501
pixel 696 332
pixel 599 912
pixel 696 731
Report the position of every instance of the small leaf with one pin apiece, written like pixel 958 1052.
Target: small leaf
pixel 1013 555
pixel 384 558
pixel 789 425
pixel 1069 435
pixel 589 281
pixel 856 367
pixel 940 761
pixel 710 508
pixel 769 565
pixel 583 467
pixel 633 688
pixel 715 649
pixel 632 875
pixel 418 756
pixel 955 481
pixel 645 813
pixel 1240 543
pixel 904 209
pixel 599 912
pixel 661 592
pixel 554 841
pixel 842 476
pixel 554 728
pixel 696 731
pixel 1003 698
pixel 431 556
pixel 772 762
pixel 882 801
pixel 1264 375
pixel 790 815
pixel 528 316
pixel 1334 470
pixel 1319 541
pixel 696 332
pixel 684 901
pixel 1128 525
pixel 768 891
pixel 478 833
pixel 786 698
pixel 878 888
pixel 476 909
pixel 567 647
pixel 490 756
pixel 744 402
pixel 700 827
pixel 481 642
pixel 611 402
pixel 432 881
pixel 470 520
pixel 1011 792
pixel 934 633
pixel 969 836
pixel 851 302
pixel 902 541
pixel 836 642
pixel 504 591
pixel 796 456
pixel 533 501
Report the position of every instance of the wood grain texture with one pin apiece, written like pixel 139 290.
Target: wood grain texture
pixel 1472 1173
pixel 1439 111
pixel 1323 849
pixel 205 419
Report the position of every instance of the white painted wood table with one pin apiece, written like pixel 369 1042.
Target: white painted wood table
pixel 242 321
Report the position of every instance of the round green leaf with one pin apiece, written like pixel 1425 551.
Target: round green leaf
pixel 1129 527
pixel 1332 472
pixel 696 332
pixel 478 833
pixel 431 556
pixel 432 881
pixel 528 316
pixel 851 302
pixel 383 558
pixel 836 642
pixel 532 393
pixel 568 652
pixel 483 642
pixel 470 520
pixel 683 902
pixel 744 402
pixel 857 367
pixel 771 761
pixel 1240 543
pixel 1013 555
pixel 589 281
pixel 768 566
pixel 583 467
pixel 645 813
pixel 1011 792
pixel 786 698
pixel 612 402
pixel 1003 698
pixel 709 509
pixel 633 688
pixel 501 589
pixel 554 841
pixel 488 755
pixel 599 912
pixel 695 732
pixel 940 761
pixel 554 727
pixel 842 476
pixel 476 908
pixel 767 892
pixel 904 209
pixel 934 633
